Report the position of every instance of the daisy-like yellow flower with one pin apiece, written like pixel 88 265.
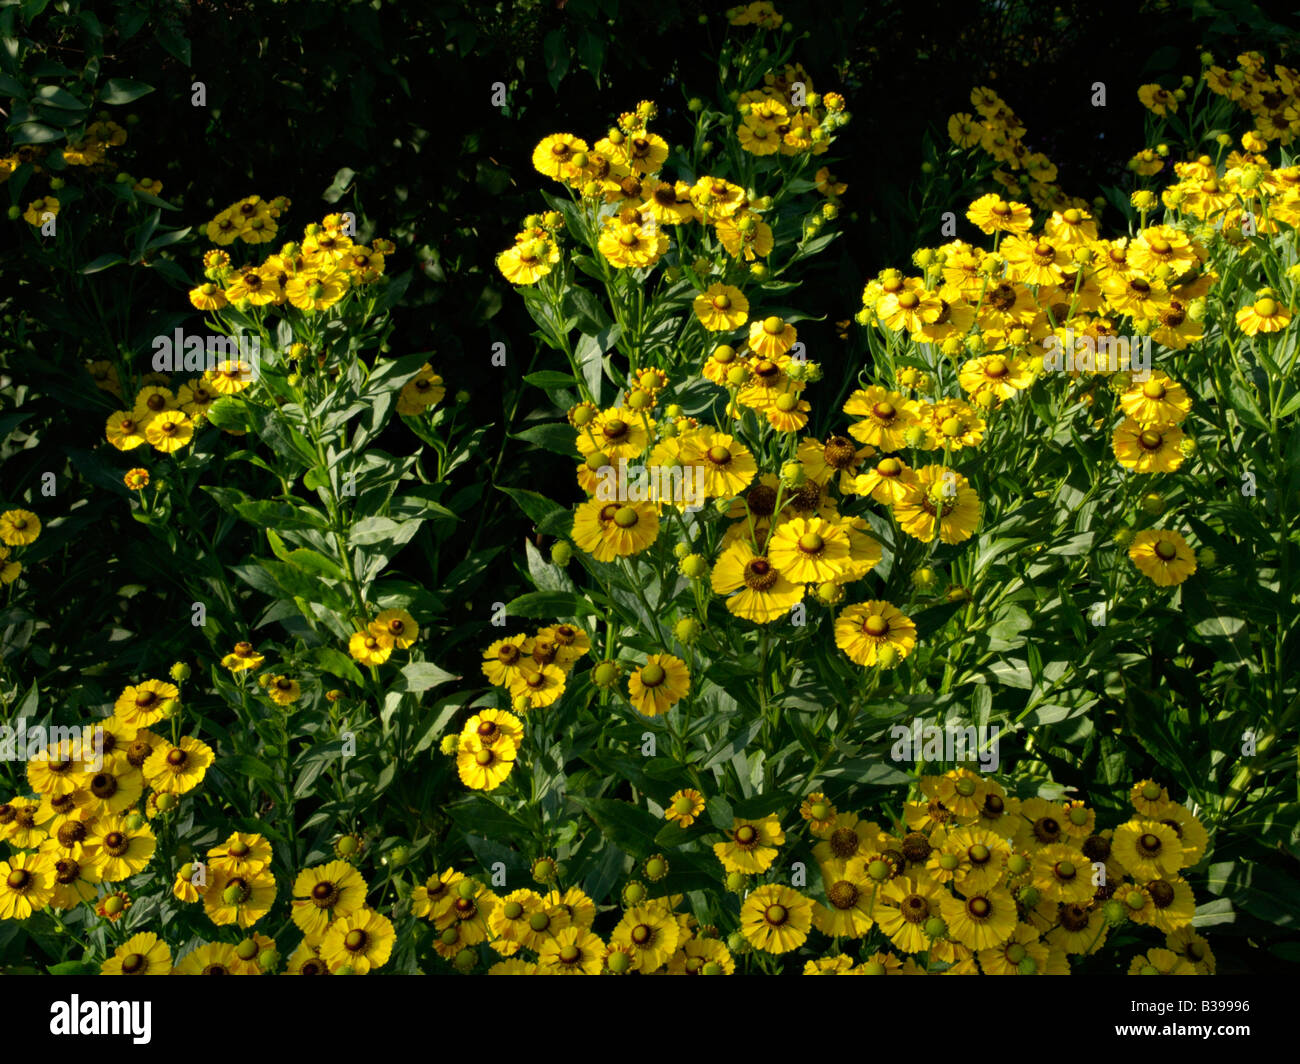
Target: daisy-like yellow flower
pixel 169 431
pixel 484 767
pixel 1024 953
pixel 240 898
pixel 491 724
pixel 572 951
pixel 632 245
pixel 283 691
pixel 788 413
pixel 75 878
pixel 616 433
pixel 541 685
pixel 1160 962
pixel 555 152
pixel 888 481
pixel 117 850
pixel 729 466
pixel 752 845
pixel 26 885
pixel 904 905
pixel 19 528
pixel 39 208
pixel 608 531
pixel 885 417
pixel 659 684
pixel 136 479
pixel 981 857
pixel 992 214
pixel 141 954
pixel 18 825
pixel 1062 874
pixel 809 550
pixel 1190 831
pixel 1154 449
pixel 1148 849
pixel 1265 315
pixel 506 659
pixel 242 657
pixel 650 933
pixel 54 771
pixel 702 956
pixel 1163 556
pixel 1192 948
pixel 875 633
pixel 684 807
pixel 848 912
pixel 1080 929
pixel 939 500
pixel 229 377
pixel 1157 100
pixel 981 920
pixel 420 392
pixel 243 853
pixel 212 958
pixel 360 942
pixel 325 893
pixel 1159 400
pixel 997 375
pixel 118 784
pixel 208 296
pixel 371 647
pixel 763 593
pixel 180 768
pixel 721 308
pixel 776 919
pixel 146 703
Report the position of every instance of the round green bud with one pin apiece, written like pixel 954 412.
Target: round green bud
pixel 687 630
pixel 561 553
pixel 180 672
pixel 1030 896
pixel 247 949
pixel 619 962
pixel 935 927
pixel 268 960
pixel 466 960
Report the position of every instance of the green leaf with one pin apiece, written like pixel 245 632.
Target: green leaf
pixel 339 185
pixel 627 826
pixel 54 96
pixel 243 765
pixel 547 604
pixel 73 968
pixel 336 663
pixel 557 436
pixel 103 262
pixel 35 133
pixel 535 505
pixel 421 675
pixel 549 380
pixel 555 51
pixel 123 90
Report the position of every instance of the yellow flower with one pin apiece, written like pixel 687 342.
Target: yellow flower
pixel 370 647
pixel 721 308
pixel 1163 556
pixel 283 691
pixel 904 906
pixel 360 941
pixel 865 630
pixel 180 768
pixel 323 894
pixel 240 898
pixel 982 920
pixel 1159 400
pixel 505 659
pixel 1154 449
pixel 26 885
pixel 572 951
pixel 684 807
pixel 422 391
pixel 885 417
pixel 141 954
pixel 849 912
pixel 19 528
pixel 146 703
pixel 728 465
pixel 938 497
pixel 659 684
pixel 809 550
pixel 1148 849
pixel 994 214
pixel 482 766
pixel 555 152
pixel 169 431
pixel 776 919
pixel 764 595
pixel 1265 315
pixel 541 685
pixel 753 845
pixel 117 850
pixel 212 958
pixel 650 933
pixel 242 657
pixel 608 531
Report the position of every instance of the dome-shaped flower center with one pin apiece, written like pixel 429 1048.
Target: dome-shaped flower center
pixel 884 411
pixel 626 517
pixel 811 543
pixel 776 915
pixel 1159 245
pixel 483 758
pixel 177 757
pixel 641 934
pixel 18 879
pixel 995 368
pixel 355 940
pixel 1266 307
pixel 746 835
pixel 722 301
pixel 653 675
pixel 979 908
pixel 1150 440
pixel 134 964
pixel 719 455
pixel 773 326
pixel 844 842
pixel 615 429
pixel 1166 551
pixel 875 625
pixel 1149 843
pixel 909 300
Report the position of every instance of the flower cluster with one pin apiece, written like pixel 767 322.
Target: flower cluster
pixel 18 528
pixel 1273 100
pixel 996 130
